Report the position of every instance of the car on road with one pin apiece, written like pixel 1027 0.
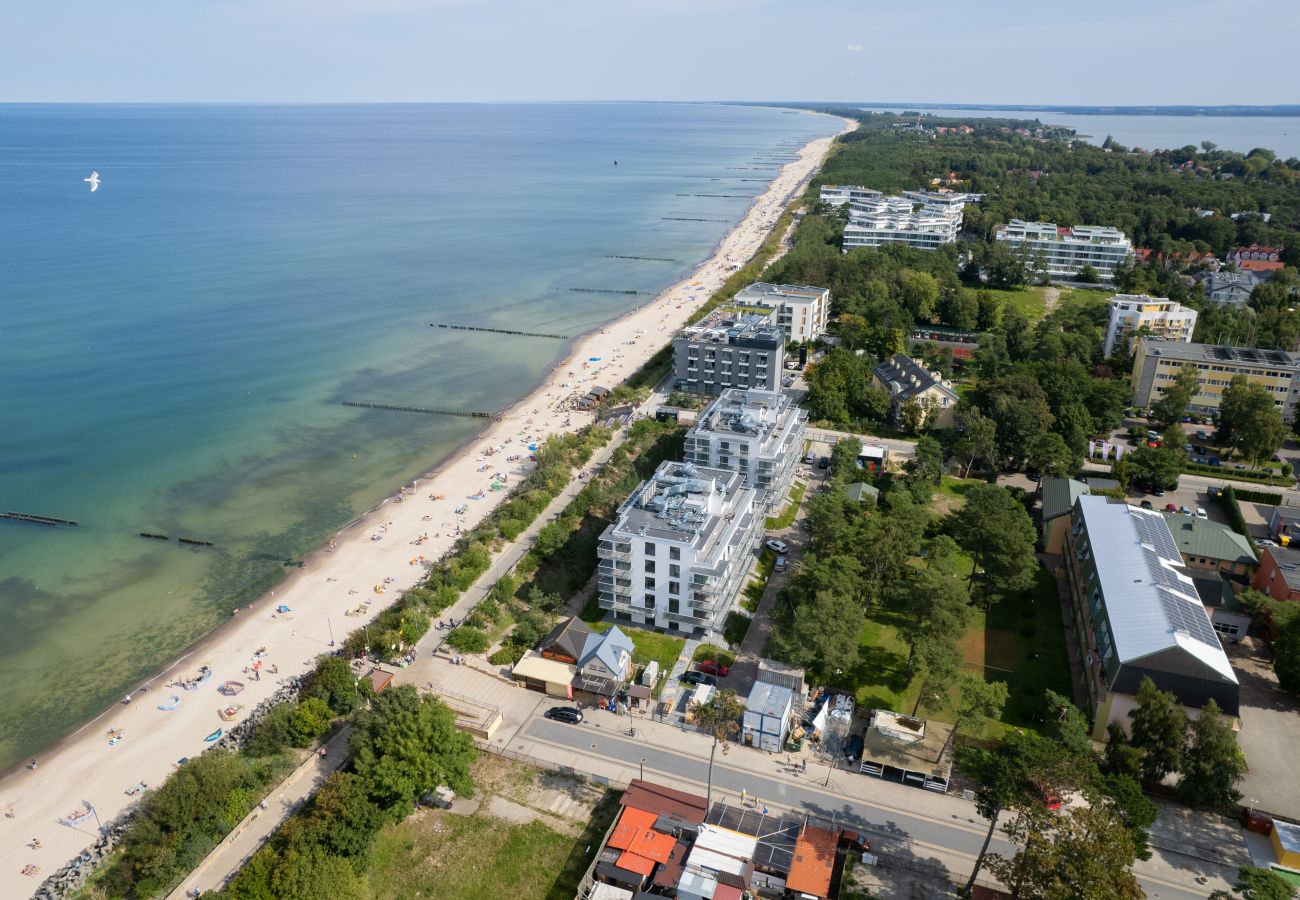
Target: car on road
pixel 1265 542
pixel 698 678
pixel 780 563
pixel 564 714
pixel 1147 504
pixel 1239 466
pixel 710 667
pixel 778 547
pixel 1201 513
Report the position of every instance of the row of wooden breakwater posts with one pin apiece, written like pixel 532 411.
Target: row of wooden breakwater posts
pixel 55 522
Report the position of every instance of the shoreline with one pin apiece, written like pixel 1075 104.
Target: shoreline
pixel 362 559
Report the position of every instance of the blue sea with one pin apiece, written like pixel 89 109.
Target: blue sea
pixel 175 347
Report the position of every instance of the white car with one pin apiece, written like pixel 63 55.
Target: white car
pixel 778 547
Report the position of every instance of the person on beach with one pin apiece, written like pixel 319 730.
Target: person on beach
pixel 36 843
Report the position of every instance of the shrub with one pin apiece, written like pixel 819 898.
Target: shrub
pixel 468 640
pixel 333 682
pixel 308 720
pixel 508 655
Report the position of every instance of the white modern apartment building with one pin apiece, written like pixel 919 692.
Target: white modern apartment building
pixel 1061 253
pixel 756 433
pixel 1156 317
pixel 839 194
pixel 803 311
pixel 923 219
pixel 680 549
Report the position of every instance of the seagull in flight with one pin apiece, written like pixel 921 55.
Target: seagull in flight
pixel 93 181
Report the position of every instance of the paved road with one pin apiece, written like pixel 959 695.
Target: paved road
pixel 951 842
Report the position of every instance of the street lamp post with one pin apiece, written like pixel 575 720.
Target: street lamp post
pixel 643 768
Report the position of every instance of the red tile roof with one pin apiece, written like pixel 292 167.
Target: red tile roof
pixel 814 862
pixel 1260 265
pixel 642 846
pixel 633 862
pixel 727 892
pixel 664 801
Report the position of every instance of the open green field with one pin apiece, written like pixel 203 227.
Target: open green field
pixel 1020 641
pixel 786 517
pixel 440 855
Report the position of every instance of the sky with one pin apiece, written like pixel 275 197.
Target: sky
pixel 1103 52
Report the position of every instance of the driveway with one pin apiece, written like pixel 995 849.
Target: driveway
pixel 1270 732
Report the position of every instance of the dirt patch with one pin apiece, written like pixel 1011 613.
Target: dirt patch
pixel 1051 297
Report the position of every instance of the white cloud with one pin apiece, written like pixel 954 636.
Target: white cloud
pixel 853 48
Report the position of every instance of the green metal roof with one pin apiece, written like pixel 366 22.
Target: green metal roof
pixel 1201 537
pixel 1059 495
pixel 858 490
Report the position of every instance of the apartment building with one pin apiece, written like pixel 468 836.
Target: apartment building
pixel 907 380
pixel 1137 614
pixel 1156 364
pixel 678 553
pixel 1061 253
pixel 756 433
pixel 730 348
pixel 839 194
pixel 803 311
pixel 924 219
pixel 1156 317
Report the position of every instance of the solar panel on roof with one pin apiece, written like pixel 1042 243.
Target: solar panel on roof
pixel 1151 529
pixel 1190 617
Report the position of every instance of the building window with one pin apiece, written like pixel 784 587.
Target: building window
pixel 674 553
pixel 674 587
pixel 650 565
pixel 674 571
pixel 649 584
pixel 649 549
pixel 1231 630
pixel 674 606
pixel 649 601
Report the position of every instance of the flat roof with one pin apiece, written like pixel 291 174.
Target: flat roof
pixel 906 742
pixel 533 665
pixel 1215 353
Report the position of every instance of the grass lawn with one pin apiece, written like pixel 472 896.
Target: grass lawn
pixel 448 857
pixel 786 518
pixel 713 652
pixel 1021 641
pixel 950 495
pixel 736 627
pixel 648 645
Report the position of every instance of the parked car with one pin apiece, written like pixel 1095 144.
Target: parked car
pixel 1239 466
pixel 1201 513
pixel 810 458
pixel 1034 476
pixel 1202 436
pixel 778 547
pixel 1158 491
pixel 710 667
pixel 1146 504
pixel 698 678
pixel 853 748
pixel 1184 510
pixel 1169 507
pixel 780 563
pixel 564 714
pixel 1265 542
pixel 824 462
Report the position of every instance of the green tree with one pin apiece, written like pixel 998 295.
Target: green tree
pixel 924 469
pixel 342 821
pixel 311 874
pixel 978 441
pixel 1158 467
pixel 404 745
pixel 979 700
pixel 885 342
pixel 1083 853
pixel 1249 420
pixel 1212 763
pixel 1121 757
pixel 824 633
pixel 1130 805
pixel 942 659
pixel 1159 729
pixel 937 605
pixel 308 721
pixel 720 718
pixel 1257 884
pixel 1051 456
pixel 916 414
pixel 332 681
pixel 919 294
pixel 998 534
pixel 1019 407
pixel 1172 405
pixel 1286 656
pixel 1089 275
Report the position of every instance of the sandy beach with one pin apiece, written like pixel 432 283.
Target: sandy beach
pixel 345 584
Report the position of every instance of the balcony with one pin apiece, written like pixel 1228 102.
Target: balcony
pixel 613 567
pixel 693 621
pixel 622 552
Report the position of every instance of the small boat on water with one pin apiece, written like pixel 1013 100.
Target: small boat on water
pixel 229 712
pixel 172 703
pixel 230 688
pixel 215 736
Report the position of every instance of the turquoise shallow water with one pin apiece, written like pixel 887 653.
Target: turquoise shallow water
pixel 174 347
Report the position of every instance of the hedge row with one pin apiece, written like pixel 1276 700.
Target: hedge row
pixel 1240 475
pixel 1257 496
pixel 1228 501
